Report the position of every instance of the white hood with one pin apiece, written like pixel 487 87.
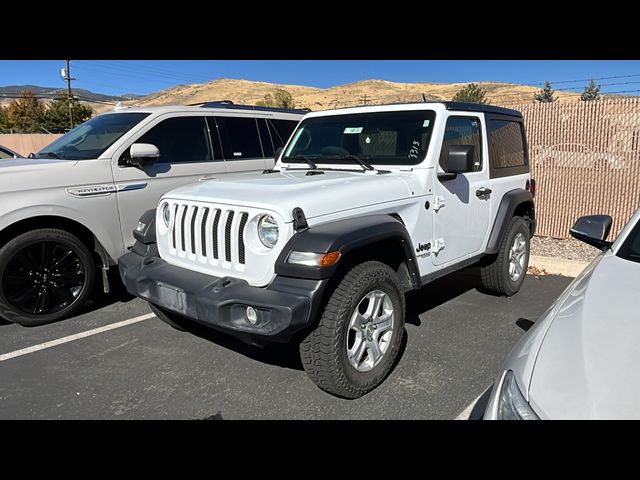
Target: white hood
pixel 329 192
pixel 587 364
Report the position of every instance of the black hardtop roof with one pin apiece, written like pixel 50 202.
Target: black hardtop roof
pixel 480 107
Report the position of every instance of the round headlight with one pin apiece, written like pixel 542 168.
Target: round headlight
pixel 268 231
pixel 166 214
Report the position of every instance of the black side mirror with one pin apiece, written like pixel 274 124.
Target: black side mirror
pixel 593 230
pixel 142 154
pixel 459 159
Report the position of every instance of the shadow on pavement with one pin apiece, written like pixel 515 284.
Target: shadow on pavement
pixel 440 291
pixel 286 355
pixel 481 405
pixel 279 354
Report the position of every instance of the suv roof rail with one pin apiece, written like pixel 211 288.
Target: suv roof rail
pixel 230 105
pixel 212 102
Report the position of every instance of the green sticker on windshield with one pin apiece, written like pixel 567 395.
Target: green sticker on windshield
pixel 426 123
pixel 353 130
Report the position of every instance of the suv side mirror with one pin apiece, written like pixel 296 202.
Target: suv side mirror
pixel 593 230
pixel 142 154
pixel 459 159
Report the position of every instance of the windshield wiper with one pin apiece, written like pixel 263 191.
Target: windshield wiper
pixel 304 159
pixel 51 154
pixel 360 161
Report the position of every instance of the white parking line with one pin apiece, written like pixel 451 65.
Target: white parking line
pixel 466 413
pixel 71 338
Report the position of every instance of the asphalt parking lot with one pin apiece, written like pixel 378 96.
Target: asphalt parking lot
pixel 456 338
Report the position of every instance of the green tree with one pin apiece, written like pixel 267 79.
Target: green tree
pixel 26 113
pixel 267 101
pixel 5 125
pixel 279 98
pixel 471 93
pixel 546 94
pixel 56 114
pixel 591 92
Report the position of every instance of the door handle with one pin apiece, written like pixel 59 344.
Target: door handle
pixel 483 192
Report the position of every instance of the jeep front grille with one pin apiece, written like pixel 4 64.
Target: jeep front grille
pixel 205 232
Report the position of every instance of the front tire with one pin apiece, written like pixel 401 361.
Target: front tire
pixel 356 341
pixel 505 275
pixel 45 275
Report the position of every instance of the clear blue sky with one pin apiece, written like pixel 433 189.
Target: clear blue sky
pixel 142 77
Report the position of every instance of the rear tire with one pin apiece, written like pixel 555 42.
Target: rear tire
pixel 505 275
pixel 45 275
pixel 356 341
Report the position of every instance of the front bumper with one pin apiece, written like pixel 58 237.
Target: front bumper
pixel 284 307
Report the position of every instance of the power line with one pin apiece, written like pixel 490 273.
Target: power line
pixel 124 71
pixel 149 69
pixel 583 80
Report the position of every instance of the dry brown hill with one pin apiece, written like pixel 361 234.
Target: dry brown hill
pixel 374 91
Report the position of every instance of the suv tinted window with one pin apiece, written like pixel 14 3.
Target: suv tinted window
pixel 265 137
pixel 506 145
pixel 281 131
pixel 463 131
pixel 180 139
pixel 239 138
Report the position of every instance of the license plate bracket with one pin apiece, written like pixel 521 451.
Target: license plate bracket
pixel 172 298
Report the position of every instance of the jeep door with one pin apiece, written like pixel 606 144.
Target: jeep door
pixel 186 155
pixel 461 205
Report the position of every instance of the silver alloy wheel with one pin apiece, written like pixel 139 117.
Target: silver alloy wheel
pixel 370 331
pixel 516 257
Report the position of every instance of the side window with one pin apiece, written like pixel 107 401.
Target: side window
pixel 265 137
pixel 180 139
pixel 506 145
pixel 239 138
pixel 4 154
pixel 281 130
pixel 463 131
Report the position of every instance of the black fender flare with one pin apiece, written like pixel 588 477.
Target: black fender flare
pixel 508 205
pixel 345 236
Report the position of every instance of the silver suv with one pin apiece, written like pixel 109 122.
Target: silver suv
pixel 68 213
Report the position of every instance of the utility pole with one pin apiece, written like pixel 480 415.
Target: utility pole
pixel 68 78
pixel 364 99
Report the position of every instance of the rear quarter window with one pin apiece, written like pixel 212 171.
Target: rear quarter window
pixel 507 147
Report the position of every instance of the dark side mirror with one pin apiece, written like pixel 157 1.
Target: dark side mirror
pixel 459 159
pixel 593 230
pixel 142 154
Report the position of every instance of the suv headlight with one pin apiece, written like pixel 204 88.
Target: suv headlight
pixel 512 404
pixel 166 214
pixel 268 231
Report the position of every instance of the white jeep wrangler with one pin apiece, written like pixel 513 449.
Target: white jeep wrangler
pixel 363 205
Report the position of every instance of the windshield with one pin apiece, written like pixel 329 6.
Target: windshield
pixel 630 249
pixel 383 138
pixel 91 138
